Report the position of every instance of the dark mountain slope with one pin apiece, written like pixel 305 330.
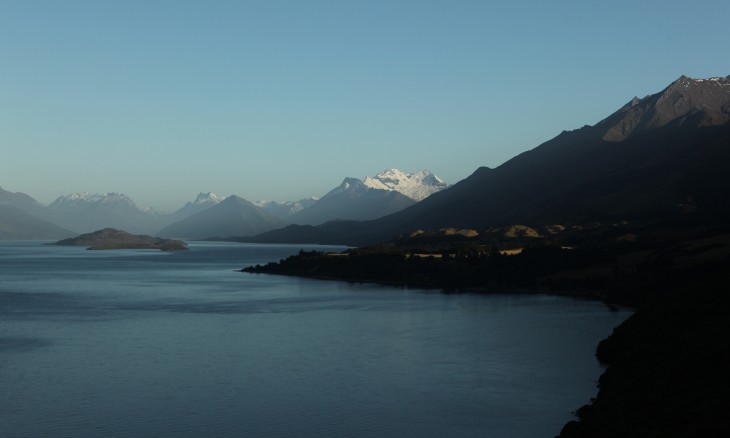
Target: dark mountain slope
pixel 684 98
pixel 668 164
pixel 673 173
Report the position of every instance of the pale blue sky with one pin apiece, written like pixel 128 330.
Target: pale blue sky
pixel 282 99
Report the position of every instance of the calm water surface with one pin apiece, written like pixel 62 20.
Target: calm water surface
pixel 140 343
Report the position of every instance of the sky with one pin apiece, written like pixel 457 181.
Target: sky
pixel 281 100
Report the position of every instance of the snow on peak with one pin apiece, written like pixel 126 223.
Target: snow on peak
pixel 79 198
pixel 209 198
pixel 687 82
pixel 115 198
pixel 416 186
pixel 287 208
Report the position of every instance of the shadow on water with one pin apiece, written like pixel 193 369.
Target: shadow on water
pixel 19 345
pixel 271 305
pixel 27 306
pixel 13 302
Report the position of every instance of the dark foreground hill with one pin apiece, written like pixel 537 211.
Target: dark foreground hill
pixel 664 158
pixel 668 363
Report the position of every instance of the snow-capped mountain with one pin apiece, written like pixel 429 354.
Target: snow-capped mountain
pixel 285 209
pixel 417 186
pixel 202 202
pixel 349 186
pixel 88 198
pixel 87 212
pixel 209 199
pixel 352 200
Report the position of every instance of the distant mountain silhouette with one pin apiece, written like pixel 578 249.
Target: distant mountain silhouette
pixel 17 199
pixel 86 212
pixel 284 210
pixel 22 201
pixel 233 216
pixel 21 218
pixel 18 224
pixel 352 200
pixel 202 202
pixel 662 158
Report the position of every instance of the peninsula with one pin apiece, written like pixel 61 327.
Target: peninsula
pixel 110 238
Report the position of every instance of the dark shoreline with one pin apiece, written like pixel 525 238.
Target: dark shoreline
pixel 579 294
pixel 667 373
pixel 667 363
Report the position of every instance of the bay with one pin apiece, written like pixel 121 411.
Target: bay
pixel 144 343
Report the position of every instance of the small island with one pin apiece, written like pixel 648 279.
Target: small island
pixel 110 238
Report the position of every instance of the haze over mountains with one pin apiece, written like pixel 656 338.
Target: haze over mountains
pixel 92 211
pixel 233 216
pixel 353 199
pixel 18 199
pixel 661 158
pixel 286 209
pixel 202 202
pixel 17 220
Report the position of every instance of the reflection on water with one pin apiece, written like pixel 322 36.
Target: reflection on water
pixel 141 343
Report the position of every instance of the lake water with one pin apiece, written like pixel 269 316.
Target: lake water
pixel 142 343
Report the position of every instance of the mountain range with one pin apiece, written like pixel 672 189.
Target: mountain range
pixel 92 211
pixel 233 216
pixel 663 158
pixel 86 212
pixel 353 199
pixel 283 210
